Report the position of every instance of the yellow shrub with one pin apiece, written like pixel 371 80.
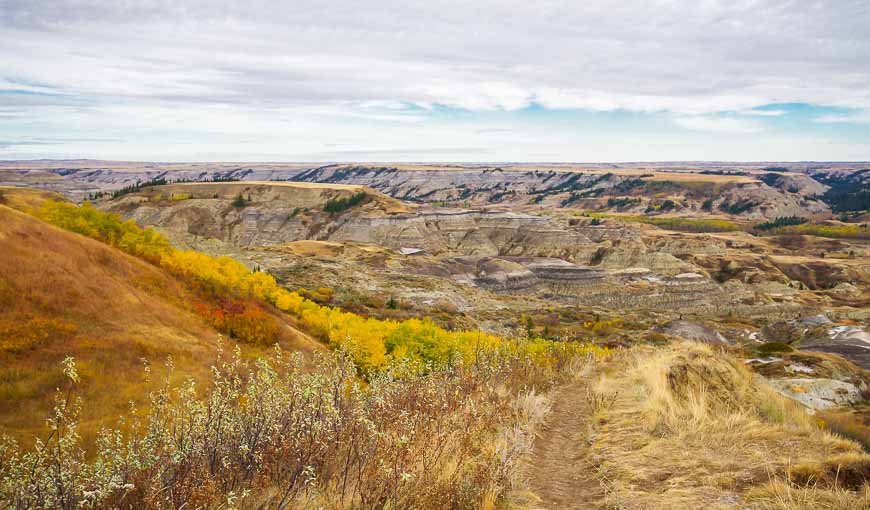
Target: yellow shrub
pixel 373 343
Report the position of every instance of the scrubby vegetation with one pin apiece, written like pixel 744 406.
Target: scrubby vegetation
pixel 779 226
pixel 851 231
pixel 108 228
pixel 737 207
pixel 138 186
pixel 240 202
pixel 623 202
pixel 285 434
pixel 846 193
pixel 178 197
pixel 663 206
pixel 707 205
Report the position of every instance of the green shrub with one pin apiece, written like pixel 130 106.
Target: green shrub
pixel 782 221
pixel 240 201
pixel 337 205
pixel 771 348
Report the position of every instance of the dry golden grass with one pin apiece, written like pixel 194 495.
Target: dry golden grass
pixel 307 248
pixel 693 428
pixel 853 424
pixel 111 310
pixel 782 495
pixel 25 199
pixel 698 177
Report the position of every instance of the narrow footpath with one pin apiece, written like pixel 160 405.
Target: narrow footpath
pixel 560 471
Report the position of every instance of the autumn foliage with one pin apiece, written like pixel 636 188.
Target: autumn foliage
pixel 234 298
pixel 108 228
pixel 439 420
pixel 243 320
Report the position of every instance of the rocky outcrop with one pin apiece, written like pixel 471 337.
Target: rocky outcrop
pixel 818 394
pixel 269 213
pixel 694 331
pixel 502 275
pixel 818 273
pixel 463 232
pixel 851 342
pixel 635 253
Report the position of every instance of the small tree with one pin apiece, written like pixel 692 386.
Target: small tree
pixel 239 201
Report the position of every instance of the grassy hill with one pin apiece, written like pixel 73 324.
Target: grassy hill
pixel 62 294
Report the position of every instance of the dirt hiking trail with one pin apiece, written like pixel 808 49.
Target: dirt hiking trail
pixel 560 471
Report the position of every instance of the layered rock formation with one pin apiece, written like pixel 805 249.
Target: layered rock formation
pixel 746 190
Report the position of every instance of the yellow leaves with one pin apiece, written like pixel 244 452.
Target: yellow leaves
pixel 603 327
pixel 373 343
pixel 105 227
pixel 288 302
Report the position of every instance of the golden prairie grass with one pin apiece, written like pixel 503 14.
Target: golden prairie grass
pixel 25 198
pixel 690 427
pixel 63 294
pixel 781 495
pixel 854 425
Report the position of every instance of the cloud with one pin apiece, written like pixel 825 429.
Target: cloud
pixel 764 113
pixel 681 56
pixel 719 124
pixel 860 117
pixel 298 75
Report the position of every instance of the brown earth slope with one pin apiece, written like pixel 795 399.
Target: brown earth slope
pixel 62 294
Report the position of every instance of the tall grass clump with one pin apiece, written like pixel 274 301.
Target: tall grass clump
pixel 692 389
pixel 286 433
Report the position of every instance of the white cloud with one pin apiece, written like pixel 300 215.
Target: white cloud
pixel 719 124
pixel 358 70
pixel 861 117
pixel 764 113
pixel 683 56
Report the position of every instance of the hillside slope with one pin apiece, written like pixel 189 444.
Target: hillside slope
pixel 253 213
pixel 62 294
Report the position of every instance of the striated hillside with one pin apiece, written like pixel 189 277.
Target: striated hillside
pixel 478 268
pixel 624 190
pixel 740 190
pixel 255 213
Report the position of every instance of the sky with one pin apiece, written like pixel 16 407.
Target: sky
pixel 435 80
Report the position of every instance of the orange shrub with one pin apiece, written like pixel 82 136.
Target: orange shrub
pixel 17 335
pixel 246 322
